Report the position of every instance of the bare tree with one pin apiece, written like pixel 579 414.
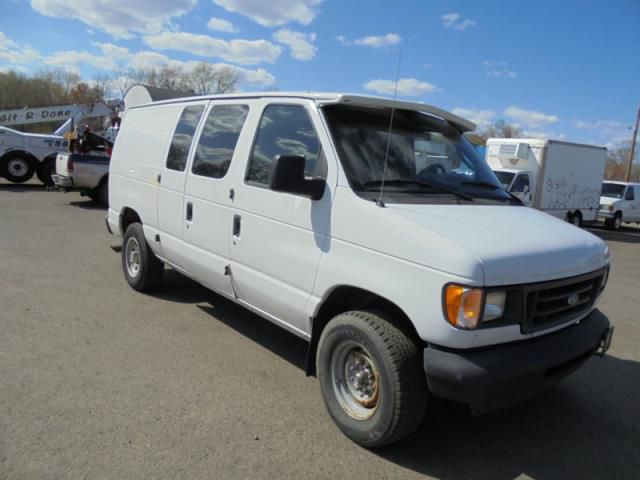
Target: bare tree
pixel 501 129
pixel 206 78
pixel 617 159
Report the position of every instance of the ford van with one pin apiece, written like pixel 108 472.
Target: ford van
pixel 373 230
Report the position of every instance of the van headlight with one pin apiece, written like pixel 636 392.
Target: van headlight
pixel 465 307
pixel 494 305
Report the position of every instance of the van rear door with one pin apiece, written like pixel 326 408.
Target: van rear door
pixel 172 183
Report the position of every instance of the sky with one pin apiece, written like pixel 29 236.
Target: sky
pixel 564 69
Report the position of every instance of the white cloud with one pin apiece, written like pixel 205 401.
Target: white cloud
pixel 407 87
pixel 342 40
pixel 120 59
pixel 245 52
pixel 530 118
pixel 273 13
pixel 16 53
pixel 381 41
pixel 221 25
pixel 427 65
pixel 71 60
pixel 454 21
pixel 482 118
pixel 300 44
pixel 120 18
pixel 610 132
pixel 543 134
pixel 498 69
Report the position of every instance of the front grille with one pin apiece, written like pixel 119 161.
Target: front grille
pixel 552 303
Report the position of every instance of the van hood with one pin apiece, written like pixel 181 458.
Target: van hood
pixel 513 244
pixel 609 200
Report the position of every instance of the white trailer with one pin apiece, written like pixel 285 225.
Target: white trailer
pixel 560 178
pixel 23 154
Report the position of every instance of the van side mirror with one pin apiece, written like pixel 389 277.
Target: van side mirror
pixel 287 175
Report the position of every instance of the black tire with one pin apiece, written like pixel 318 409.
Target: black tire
pixel 400 386
pixel 45 170
pixel 148 275
pixel 614 223
pixel 17 168
pixel 102 196
pixel 576 219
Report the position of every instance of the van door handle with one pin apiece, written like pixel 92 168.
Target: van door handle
pixel 189 211
pixel 237 219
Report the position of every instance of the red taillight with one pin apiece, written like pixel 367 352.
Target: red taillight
pixel 69 164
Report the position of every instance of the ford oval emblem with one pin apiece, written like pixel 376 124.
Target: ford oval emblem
pixel 573 299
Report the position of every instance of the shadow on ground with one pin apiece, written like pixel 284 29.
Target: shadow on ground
pixel 625 234
pixel 22 187
pixel 88 205
pixel 587 427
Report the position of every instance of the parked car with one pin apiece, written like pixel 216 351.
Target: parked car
pixel 560 178
pixel 319 213
pixel 85 167
pixel 619 202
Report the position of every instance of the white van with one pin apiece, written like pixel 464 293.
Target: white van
pixel 619 202
pixel 408 277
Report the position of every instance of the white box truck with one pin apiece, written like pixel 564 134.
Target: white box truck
pixel 560 178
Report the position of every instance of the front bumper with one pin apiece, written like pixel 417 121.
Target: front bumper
pixel 604 214
pixel 62 182
pixel 496 377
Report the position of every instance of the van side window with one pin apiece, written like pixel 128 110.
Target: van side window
pixel 285 130
pixel 183 137
pixel 629 195
pixel 218 140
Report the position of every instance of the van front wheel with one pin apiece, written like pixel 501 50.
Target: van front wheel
pixel 371 378
pixel 142 269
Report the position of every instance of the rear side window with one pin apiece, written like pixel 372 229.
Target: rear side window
pixel 629 195
pixel 285 130
pixel 183 137
pixel 218 140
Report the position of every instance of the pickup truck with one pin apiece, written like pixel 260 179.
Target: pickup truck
pixel 86 166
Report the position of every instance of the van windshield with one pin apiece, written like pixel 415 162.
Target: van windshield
pixel 428 159
pixel 612 190
pixel 505 178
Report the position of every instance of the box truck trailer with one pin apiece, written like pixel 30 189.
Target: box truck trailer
pixel 560 178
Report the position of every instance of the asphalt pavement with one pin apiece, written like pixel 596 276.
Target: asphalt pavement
pixel 98 381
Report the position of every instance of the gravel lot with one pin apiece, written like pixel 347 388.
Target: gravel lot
pixel 98 381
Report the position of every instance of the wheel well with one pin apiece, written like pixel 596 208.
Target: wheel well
pixel 127 217
pixel 579 213
pixel 345 298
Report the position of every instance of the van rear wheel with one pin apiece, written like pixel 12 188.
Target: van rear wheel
pixel 142 269
pixel 371 378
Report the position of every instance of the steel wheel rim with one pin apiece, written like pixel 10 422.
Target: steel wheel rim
pixel 132 257
pixel 356 380
pixel 17 167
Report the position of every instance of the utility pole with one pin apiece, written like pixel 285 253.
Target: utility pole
pixel 627 175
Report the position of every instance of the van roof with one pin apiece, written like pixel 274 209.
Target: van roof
pixel 334 98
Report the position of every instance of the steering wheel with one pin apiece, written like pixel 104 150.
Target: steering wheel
pixel 434 169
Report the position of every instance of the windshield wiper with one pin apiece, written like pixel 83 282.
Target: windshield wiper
pixel 421 183
pixel 494 187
